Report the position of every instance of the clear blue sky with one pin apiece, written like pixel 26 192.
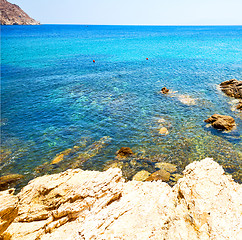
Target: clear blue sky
pixel 135 12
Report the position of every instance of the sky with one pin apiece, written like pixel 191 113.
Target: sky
pixel 134 12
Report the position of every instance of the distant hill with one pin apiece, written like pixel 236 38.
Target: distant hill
pixel 12 14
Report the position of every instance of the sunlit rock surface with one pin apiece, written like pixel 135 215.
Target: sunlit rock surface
pixel 77 204
pixel 8 209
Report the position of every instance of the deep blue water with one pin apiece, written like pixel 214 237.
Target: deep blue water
pixel 54 97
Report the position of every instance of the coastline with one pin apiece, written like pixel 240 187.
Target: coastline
pixel 77 204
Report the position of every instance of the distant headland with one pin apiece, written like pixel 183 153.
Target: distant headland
pixel 12 14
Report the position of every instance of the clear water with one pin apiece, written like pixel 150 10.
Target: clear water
pixel 54 97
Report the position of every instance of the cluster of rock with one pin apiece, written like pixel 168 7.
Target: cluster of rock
pixel 232 88
pixel 12 14
pixel 77 204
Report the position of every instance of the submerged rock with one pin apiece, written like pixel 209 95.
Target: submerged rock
pixel 164 90
pixel 113 164
pixel 4 154
pixel 124 152
pixel 159 175
pixel 78 155
pixel 239 106
pixel 61 155
pixel 221 122
pixel 176 176
pixel 8 179
pixel 8 209
pixel 163 131
pixel 166 166
pixel 141 176
pixel 232 88
pixel 76 204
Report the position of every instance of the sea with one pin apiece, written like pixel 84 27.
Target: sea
pixel 73 95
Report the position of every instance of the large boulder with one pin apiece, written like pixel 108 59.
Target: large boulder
pixel 8 209
pixel 221 122
pixel 232 88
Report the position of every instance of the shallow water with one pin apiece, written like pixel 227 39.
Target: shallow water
pixel 54 97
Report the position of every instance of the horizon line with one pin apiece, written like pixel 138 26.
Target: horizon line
pixel 87 24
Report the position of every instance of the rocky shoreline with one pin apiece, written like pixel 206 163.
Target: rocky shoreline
pixel 77 204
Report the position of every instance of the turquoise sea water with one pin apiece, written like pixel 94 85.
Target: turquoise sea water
pixel 53 97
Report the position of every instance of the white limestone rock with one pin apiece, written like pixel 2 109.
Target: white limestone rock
pixel 76 204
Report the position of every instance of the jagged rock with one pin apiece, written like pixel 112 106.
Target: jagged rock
pixel 141 175
pixel 159 175
pixel 81 156
pixel 8 179
pixel 232 88
pixel 209 204
pixel 76 204
pixel 221 122
pixel 124 152
pixel 8 209
pixel 164 90
pixel 12 14
pixel 166 166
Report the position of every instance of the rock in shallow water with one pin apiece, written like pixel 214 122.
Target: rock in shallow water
pixel 163 131
pixel 159 175
pixel 221 122
pixel 166 166
pixel 141 176
pixel 76 204
pixel 124 152
pixel 164 90
pixel 232 88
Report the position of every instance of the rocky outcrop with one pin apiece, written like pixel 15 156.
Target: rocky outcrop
pixel 8 209
pixel 77 204
pixel 221 122
pixel 12 14
pixel 232 88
